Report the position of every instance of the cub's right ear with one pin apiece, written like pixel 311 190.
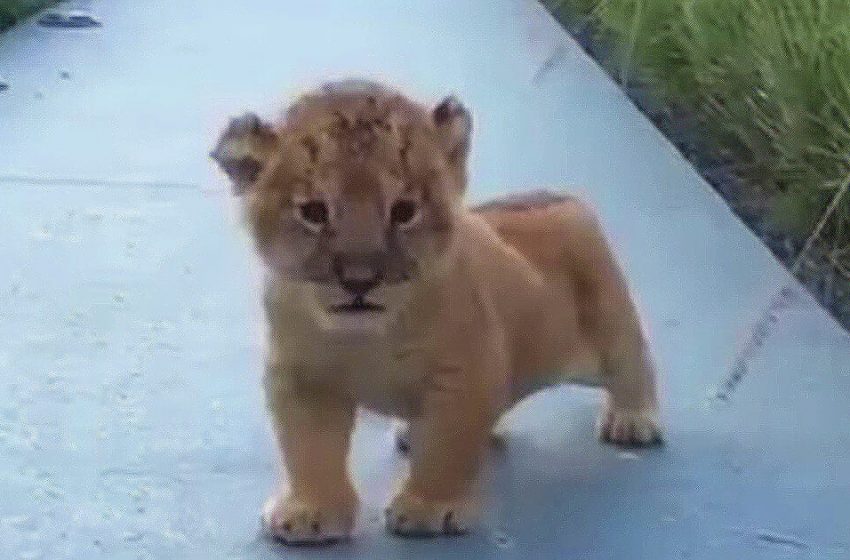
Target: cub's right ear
pixel 244 149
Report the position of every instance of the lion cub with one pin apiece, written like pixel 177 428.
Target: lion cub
pixel 384 291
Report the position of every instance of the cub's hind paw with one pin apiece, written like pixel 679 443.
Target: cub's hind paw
pixel 403 437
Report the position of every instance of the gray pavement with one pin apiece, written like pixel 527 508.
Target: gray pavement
pixel 131 423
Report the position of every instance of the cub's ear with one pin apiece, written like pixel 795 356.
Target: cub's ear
pixel 454 126
pixel 243 150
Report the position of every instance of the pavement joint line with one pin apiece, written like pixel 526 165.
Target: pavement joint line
pixel 96 182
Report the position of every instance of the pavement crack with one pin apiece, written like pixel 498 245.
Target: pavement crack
pixel 788 541
pixel 754 341
pixel 549 64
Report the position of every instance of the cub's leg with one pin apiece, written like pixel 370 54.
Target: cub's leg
pixel 630 411
pixel 313 428
pixel 562 237
pixel 405 432
pixel 459 409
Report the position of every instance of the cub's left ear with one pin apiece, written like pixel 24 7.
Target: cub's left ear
pixel 454 126
pixel 243 150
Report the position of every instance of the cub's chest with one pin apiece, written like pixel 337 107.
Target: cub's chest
pixel 383 374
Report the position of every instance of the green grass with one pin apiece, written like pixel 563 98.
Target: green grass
pixel 13 11
pixel 768 84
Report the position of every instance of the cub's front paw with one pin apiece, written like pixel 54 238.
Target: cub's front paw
pixel 409 515
pixel 627 427
pixel 296 521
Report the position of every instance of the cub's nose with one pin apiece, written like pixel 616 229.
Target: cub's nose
pixel 358 275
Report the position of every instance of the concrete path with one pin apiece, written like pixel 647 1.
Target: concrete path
pixel 131 423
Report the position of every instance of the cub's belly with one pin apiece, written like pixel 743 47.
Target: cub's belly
pixel 549 345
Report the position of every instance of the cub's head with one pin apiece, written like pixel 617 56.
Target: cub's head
pixel 355 191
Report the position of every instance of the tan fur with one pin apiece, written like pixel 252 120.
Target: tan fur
pixel 481 305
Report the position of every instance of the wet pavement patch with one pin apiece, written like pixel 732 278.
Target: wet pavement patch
pixel 72 19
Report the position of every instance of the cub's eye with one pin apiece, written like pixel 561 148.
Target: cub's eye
pixel 404 213
pixel 313 213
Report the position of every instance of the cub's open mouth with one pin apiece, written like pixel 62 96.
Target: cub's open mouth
pixel 359 305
